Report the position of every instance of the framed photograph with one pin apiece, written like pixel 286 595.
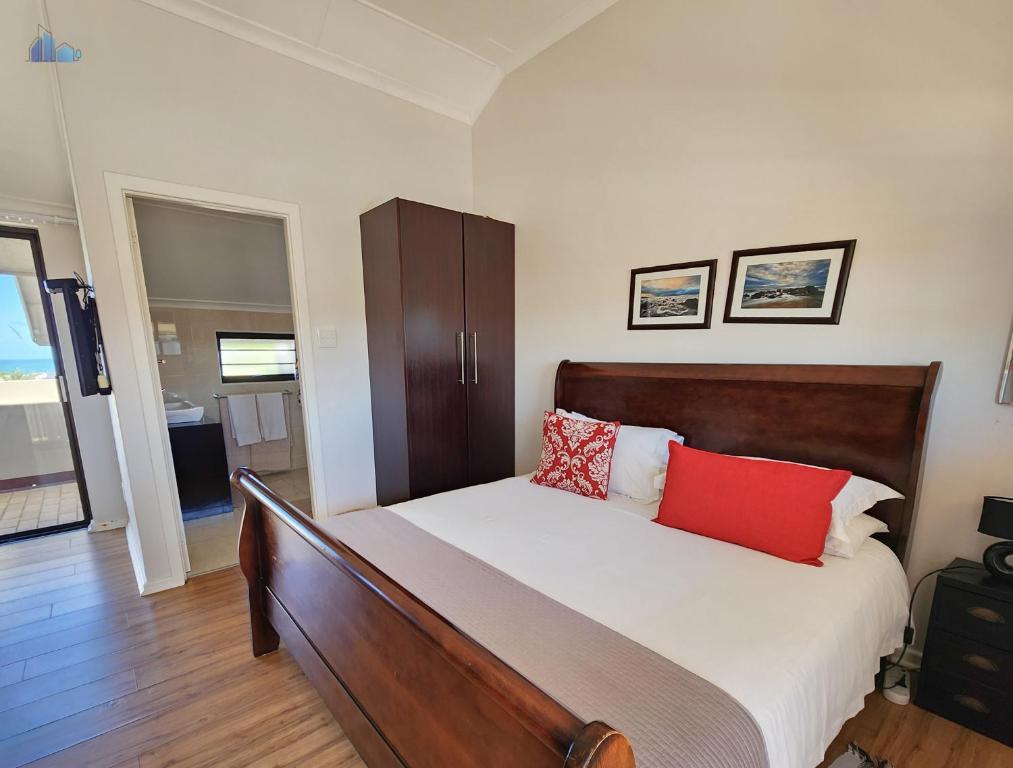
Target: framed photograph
pixel 789 284
pixel 672 296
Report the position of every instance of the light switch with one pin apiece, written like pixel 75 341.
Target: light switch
pixel 327 338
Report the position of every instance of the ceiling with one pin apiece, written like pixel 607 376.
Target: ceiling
pixel 501 31
pixel 446 55
pixel 33 162
pixel 201 257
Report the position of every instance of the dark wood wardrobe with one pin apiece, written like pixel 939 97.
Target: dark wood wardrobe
pixel 439 290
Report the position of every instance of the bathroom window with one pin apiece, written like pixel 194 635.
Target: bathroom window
pixel 250 356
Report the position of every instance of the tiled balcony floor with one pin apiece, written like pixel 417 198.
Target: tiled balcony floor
pixel 32 508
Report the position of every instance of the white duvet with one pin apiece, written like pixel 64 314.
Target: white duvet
pixel 798 646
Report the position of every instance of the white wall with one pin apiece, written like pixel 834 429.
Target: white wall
pixel 33 165
pixel 663 132
pixel 194 373
pixel 160 97
pixel 61 249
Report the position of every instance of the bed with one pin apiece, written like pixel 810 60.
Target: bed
pixel 797 647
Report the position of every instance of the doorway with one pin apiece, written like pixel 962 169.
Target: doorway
pixel 223 328
pixel 42 488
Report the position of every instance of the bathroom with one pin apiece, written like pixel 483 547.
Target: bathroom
pixel 222 322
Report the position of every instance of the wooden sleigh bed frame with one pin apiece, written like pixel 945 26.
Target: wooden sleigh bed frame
pixel 411 691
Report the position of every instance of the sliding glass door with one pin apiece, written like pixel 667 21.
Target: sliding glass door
pixel 41 484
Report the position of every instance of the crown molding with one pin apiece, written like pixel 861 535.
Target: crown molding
pixel 556 31
pixel 549 36
pixel 465 110
pixel 29 206
pixel 430 33
pixel 278 42
pixel 483 101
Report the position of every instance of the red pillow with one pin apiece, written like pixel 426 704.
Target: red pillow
pixel 779 508
pixel 576 455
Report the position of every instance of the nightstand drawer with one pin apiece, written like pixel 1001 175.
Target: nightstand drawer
pixel 975 616
pixel 965 702
pixel 970 659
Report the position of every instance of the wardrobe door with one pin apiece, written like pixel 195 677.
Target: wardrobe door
pixel 432 295
pixel 489 307
pixel 381 265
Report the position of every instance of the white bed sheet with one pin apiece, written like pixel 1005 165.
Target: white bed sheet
pixel 798 646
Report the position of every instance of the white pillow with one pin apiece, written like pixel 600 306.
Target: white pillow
pixel 640 455
pixel 857 531
pixel 858 495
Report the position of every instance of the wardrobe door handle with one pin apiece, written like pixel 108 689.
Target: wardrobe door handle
pixel 474 357
pixel 460 352
pixel 986 614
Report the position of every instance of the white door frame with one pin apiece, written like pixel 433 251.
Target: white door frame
pixel 119 188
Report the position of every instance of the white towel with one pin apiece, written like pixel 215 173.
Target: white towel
pixel 243 415
pixel 271 407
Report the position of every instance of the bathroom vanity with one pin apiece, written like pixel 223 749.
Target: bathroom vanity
pixel 202 474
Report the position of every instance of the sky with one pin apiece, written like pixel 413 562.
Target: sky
pixel 671 286
pixel 15 336
pixel 788 274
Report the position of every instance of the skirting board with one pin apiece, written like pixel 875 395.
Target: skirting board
pixel 161 585
pixel 105 525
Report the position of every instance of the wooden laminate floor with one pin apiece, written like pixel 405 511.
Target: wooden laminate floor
pixel 91 674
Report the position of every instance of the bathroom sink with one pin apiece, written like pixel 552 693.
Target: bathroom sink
pixel 183 412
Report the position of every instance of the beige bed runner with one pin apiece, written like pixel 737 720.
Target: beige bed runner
pixel 672 717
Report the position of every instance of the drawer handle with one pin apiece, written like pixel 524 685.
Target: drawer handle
pixel 980 662
pixel 969 702
pixel 986 614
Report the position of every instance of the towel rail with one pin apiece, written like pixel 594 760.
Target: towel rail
pixel 219 396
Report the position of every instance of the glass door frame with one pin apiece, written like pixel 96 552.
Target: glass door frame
pixel 32 237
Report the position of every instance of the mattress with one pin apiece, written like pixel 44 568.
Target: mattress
pixel 797 646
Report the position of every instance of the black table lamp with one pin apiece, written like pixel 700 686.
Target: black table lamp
pixel 997 520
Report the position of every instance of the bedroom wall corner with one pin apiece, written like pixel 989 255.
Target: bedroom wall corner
pixel 665 132
pixel 153 86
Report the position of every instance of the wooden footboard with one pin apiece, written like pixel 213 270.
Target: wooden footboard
pixel 408 688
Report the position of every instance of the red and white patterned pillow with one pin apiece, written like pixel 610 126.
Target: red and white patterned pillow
pixel 576 455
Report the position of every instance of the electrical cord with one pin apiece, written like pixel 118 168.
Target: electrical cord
pixel 908 629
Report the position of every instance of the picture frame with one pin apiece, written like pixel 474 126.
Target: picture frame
pixel 789 283
pixel 672 296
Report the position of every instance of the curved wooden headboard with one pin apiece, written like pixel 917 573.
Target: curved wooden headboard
pixel 871 419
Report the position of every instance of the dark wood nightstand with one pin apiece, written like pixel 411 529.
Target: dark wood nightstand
pixel 967 666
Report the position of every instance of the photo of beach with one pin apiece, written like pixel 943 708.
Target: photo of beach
pixel 789 283
pixel 786 285
pixel 670 296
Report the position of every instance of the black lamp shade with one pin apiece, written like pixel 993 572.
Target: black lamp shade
pixel 997 517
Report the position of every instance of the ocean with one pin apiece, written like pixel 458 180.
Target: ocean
pixel 41 365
